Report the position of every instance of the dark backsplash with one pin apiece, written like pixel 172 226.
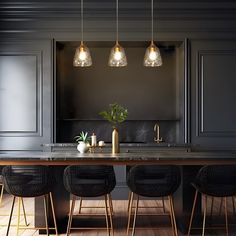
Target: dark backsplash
pixel 129 131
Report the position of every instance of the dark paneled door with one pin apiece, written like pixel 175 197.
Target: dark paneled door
pixel 213 84
pixel 25 94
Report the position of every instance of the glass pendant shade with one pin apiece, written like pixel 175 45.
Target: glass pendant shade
pixel 152 56
pixel 117 56
pixel 82 56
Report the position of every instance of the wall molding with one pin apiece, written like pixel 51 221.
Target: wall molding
pixel 38 131
pixel 200 125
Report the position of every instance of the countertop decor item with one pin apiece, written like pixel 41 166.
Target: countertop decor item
pixel 82 56
pixel 117 55
pixel 115 114
pixel 83 142
pixel 152 56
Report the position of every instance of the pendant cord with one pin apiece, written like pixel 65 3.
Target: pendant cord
pixel 152 20
pixel 117 24
pixel 82 20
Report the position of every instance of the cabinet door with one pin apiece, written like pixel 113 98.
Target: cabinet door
pixel 25 94
pixel 213 89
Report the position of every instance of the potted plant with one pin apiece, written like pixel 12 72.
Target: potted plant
pixel 115 114
pixel 83 142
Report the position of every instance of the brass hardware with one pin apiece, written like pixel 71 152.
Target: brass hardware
pixel 204 215
pixel 135 215
pixel 80 205
pixel 157 139
pixel 2 188
pixel 172 212
pixel 18 217
pixel 233 205
pixel 130 206
pixel 192 213
pixel 223 200
pixel 70 215
pixel 53 213
pixel 163 205
pixel 9 222
pixel 108 215
pixel 19 227
pixel 93 207
pixel 110 208
pixel 45 213
pixel 226 218
pixel 129 212
pixel 221 204
pixel 115 141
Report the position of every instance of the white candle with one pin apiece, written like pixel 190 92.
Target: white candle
pixel 101 143
pixel 93 140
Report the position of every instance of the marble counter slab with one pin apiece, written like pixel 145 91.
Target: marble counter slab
pixel 163 157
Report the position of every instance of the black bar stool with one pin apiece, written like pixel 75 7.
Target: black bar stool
pixel 29 182
pixel 90 181
pixel 214 181
pixel 153 181
pixel 145 207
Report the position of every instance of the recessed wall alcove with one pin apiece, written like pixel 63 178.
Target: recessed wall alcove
pixel 150 94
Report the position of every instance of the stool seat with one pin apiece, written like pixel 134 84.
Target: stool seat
pixel 153 181
pixel 89 181
pixel 216 180
pixel 28 181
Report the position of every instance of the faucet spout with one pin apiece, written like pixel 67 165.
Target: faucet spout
pixel 157 139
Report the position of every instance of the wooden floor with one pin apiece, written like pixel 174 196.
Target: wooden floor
pixel 120 219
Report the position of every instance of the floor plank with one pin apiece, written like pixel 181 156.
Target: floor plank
pixel 120 218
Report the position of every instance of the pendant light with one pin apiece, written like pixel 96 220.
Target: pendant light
pixel 82 56
pixel 117 55
pixel 152 56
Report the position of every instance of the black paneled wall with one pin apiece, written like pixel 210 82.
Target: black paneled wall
pixel 204 77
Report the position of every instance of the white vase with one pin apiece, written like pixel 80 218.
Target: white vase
pixel 82 147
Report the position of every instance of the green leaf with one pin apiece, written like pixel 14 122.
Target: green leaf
pixel 115 114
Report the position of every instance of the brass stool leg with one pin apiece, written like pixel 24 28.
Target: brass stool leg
pixel 110 207
pixel 135 215
pixel 204 215
pixel 129 200
pixel 106 214
pixel 163 204
pixel 46 213
pixel 53 213
pixel 173 215
pixel 192 213
pixel 9 222
pixel 233 205
pixel 71 215
pixel 221 203
pixel 23 207
pixel 2 189
pixel 212 204
pixel 110 203
pixel 226 217
pixel 80 204
pixel 171 218
pixel 129 212
pixel 18 217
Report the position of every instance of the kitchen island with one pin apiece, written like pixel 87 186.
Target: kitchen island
pixel 189 162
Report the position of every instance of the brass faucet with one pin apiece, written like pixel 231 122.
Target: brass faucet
pixel 157 139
